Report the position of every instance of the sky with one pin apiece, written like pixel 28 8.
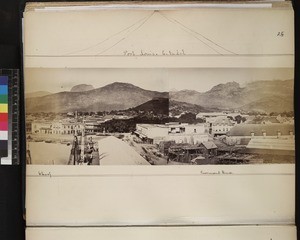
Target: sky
pixel 63 79
pixel 197 31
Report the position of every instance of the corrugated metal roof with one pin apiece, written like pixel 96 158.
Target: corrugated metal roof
pixel 272 144
pixel 258 129
pixel 209 145
pixel 114 151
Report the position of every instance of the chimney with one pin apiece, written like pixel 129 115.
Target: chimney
pixel 278 134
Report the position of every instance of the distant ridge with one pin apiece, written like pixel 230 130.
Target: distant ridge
pixel 37 94
pixel 267 96
pixel 115 96
pixel 264 96
pixel 82 88
pixel 177 108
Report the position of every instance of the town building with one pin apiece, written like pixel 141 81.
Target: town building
pixel 262 130
pixel 278 146
pixel 62 127
pixel 179 133
pixel 28 126
pixel 41 127
pixel 273 141
pixel 208 148
pixel 220 126
pixel 92 127
pixel 273 150
pixel 165 145
pixel 71 127
pixel 210 115
pixel 285 120
pixel 184 152
pixel 152 133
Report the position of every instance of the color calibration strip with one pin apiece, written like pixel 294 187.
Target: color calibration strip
pixel 3 116
pixel 9 116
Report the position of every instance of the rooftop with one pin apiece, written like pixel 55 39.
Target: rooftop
pixel 146 125
pixel 44 128
pixel 258 129
pixel 120 154
pixel 210 114
pixel 222 120
pixel 272 144
pixel 209 145
pixel 42 122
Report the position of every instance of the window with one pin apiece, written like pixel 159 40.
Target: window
pixel 172 130
pixel 195 130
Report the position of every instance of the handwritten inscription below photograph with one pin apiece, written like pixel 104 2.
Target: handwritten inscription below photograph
pixel 159 116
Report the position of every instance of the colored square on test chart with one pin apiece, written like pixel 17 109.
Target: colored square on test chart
pixel 3 116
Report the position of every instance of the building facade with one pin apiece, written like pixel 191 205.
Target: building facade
pixel 63 127
pixel 179 133
pixel 220 126
pixel 41 127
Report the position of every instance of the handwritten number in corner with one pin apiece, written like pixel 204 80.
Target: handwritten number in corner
pixel 280 34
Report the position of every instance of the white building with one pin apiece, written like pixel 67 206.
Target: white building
pixel 71 127
pixel 180 133
pixel 154 133
pixel 57 128
pixel 63 127
pixel 43 127
pixel 210 116
pixel 220 126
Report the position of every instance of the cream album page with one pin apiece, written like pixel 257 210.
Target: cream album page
pixel 166 117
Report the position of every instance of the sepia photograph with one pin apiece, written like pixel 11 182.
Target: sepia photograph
pixel 171 116
pixel 203 93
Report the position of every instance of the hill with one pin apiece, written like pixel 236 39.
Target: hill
pixel 270 104
pixel 82 88
pixel 115 96
pixel 263 95
pixel 156 106
pixel 177 108
pixel 37 94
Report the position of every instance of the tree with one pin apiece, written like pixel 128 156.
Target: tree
pixel 273 114
pixel 238 119
pixel 188 117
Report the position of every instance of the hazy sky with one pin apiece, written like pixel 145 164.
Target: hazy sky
pixel 57 80
pixel 103 32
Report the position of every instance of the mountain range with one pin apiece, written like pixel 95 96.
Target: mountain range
pixel 37 94
pixel 115 96
pixel 82 88
pixel 265 96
